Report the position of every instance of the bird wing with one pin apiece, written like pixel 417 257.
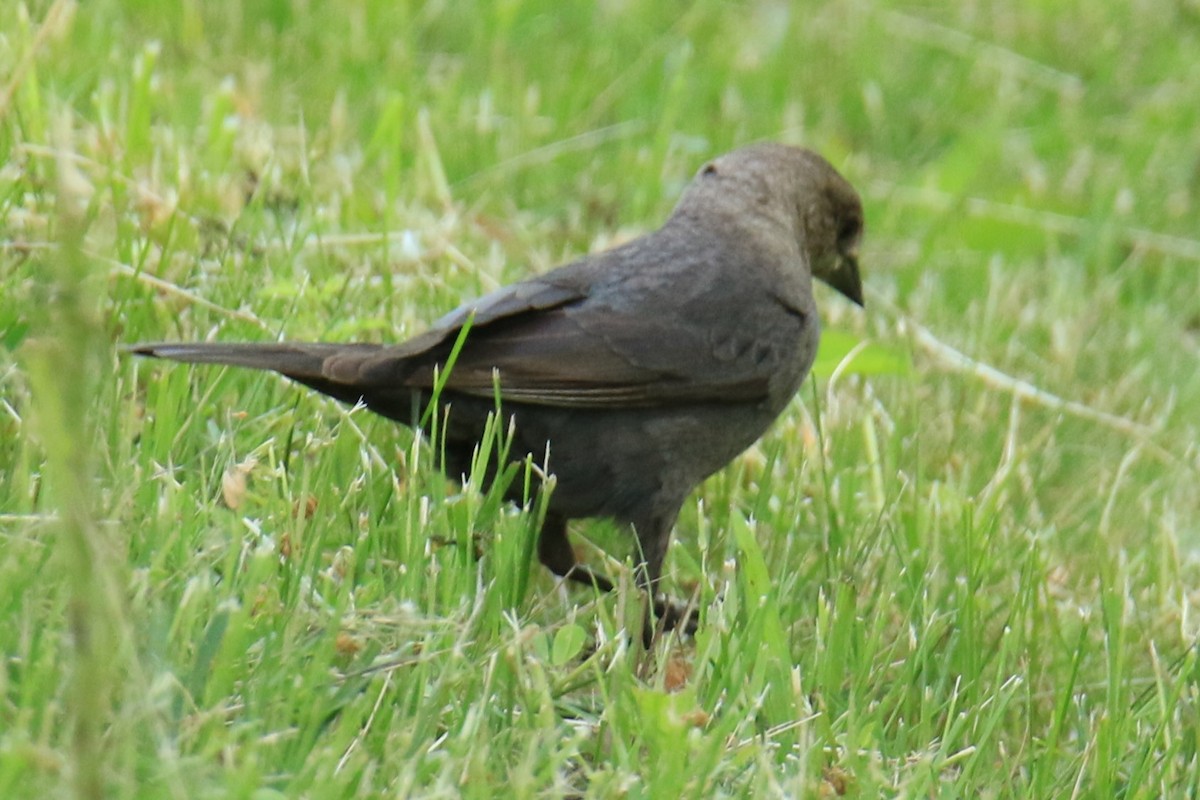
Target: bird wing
pixel 557 344
pixel 555 358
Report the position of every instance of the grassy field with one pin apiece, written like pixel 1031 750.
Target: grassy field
pixel 964 563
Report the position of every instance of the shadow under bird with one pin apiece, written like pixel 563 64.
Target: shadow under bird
pixel 633 374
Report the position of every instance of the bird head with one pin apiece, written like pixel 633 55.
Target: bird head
pixel 799 190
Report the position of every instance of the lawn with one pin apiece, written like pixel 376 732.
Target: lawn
pixel 964 562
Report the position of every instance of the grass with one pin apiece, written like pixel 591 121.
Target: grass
pixel 925 581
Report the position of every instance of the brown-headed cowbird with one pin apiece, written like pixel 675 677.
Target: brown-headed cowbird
pixel 632 374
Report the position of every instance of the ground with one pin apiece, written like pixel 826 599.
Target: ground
pixel 962 564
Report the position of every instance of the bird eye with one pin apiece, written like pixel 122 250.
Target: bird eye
pixel 849 230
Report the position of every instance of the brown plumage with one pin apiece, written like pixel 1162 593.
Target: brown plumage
pixel 641 370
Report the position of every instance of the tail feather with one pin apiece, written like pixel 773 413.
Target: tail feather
pixel 332 369
pixel 295 359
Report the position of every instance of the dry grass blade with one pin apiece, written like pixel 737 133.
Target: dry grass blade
pixel 56 20
pixel 957 361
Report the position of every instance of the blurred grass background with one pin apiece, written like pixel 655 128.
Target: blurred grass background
pixel 926 581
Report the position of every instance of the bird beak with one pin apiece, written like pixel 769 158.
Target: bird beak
pixel 846 279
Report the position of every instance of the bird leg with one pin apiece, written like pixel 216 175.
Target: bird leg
pixel 654 534
pixel 555 553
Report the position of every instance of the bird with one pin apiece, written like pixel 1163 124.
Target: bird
pixel 631 374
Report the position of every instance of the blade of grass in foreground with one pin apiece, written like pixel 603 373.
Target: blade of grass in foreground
pixel 64 359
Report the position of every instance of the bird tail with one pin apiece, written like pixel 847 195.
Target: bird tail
pixel 298 360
